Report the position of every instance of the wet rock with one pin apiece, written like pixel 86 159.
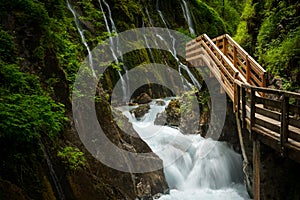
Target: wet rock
pixel 173 113
pixel 143 99
pixel 161 119
pixel 132 104
pixel 144 190
pixel 140 111
pixel 160 102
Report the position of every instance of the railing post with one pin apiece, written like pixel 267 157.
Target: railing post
pixel 252 112
pixel 284 128
pixel 248 70
pixel 264 82
pixel 237 98
pixel 256 169
pixel 225 46
pixel 235 57
pixel 243 107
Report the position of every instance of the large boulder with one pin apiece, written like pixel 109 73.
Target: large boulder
pixel 143 99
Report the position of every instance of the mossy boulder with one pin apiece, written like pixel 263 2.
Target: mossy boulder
pixel 140 111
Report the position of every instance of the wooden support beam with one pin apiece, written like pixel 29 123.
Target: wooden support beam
pixel 235 57
pixel 284 127
pixel 248 69
pixel 224 46
pixel 256 169
pixel 243 107
pixel 252 112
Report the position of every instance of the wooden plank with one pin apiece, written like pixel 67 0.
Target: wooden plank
pixel 268 113
pixel 275 91
pixel 268 102
pixel 266 124
pixel 294 122
pixel 272 139
pixel 294 135
pixel 267 137
pixel 256 66
pixel 256 80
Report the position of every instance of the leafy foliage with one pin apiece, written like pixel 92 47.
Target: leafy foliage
pixel 6 45
pixel 229 10
pixel 73 157
pixel 274 38
pixel 25 110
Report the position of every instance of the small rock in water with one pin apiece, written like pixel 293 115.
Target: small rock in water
pixel 140 111
pixel 160 102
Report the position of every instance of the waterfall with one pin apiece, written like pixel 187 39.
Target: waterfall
pixel 81 33
pixel 114 46
pixel 194 167
pixel 53 175
pixel 174 53
pixel 147 45
pixel 187 16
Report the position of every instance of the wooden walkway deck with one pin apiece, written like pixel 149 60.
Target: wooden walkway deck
pixel 270 116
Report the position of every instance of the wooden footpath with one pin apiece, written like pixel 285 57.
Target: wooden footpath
pixel 271 116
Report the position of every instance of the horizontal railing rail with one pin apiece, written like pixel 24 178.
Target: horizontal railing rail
pixel 276 116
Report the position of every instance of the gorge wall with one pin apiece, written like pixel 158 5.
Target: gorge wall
pixel 41 51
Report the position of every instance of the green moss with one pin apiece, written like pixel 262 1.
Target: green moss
pixel 207 20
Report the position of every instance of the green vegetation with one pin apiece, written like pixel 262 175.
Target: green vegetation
pixel 73 157
pixel 204 16
pixel 230 12
pixel 41 52
pixel 270 31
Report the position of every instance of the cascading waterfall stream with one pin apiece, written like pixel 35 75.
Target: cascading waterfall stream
pixel 53 175
pixel 147 45
pixel 187 15
pixel 195 168
pixel 174 53
pixel 81 33
pixel 118 53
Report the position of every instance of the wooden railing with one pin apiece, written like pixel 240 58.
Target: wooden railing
pixel 271 116
pixel 274 118
pixel 268 112
pixel 223 69
pixel 246 65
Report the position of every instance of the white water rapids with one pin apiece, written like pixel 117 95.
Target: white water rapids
pixel 194 167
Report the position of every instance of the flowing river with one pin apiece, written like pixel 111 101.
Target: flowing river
pixel 194 167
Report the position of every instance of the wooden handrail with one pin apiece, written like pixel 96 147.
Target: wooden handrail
pixel 225 68
pixel 247 66
pixel 276 121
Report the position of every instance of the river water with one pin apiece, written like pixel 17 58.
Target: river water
pixel 194 167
